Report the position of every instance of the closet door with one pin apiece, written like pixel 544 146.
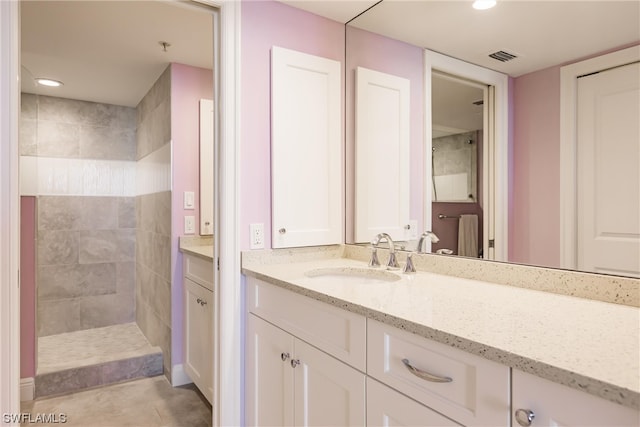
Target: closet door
pixel 306 150
pixel 609 171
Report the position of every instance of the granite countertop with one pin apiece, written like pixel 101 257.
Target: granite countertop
pixel 199 246
pixel 585 344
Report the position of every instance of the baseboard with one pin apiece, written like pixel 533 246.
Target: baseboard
pixel 179 376
pixel 27 389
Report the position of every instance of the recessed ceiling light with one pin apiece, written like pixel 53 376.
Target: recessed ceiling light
pixel 48 82
pixel 483 4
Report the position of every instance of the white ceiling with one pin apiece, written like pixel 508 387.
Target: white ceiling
pixel 541 33
pixel 108 51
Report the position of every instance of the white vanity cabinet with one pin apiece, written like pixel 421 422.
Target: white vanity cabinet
pixel 387 407
pixel 198 322
pixel 292 374
pixel 552 404
pixel 463 387
pixel 289 382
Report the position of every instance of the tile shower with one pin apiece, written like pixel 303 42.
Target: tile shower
pixel 103 222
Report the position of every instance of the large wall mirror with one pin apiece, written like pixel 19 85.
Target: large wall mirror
pixel 527 41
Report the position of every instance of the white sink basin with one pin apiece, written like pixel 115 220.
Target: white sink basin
pixel 352 275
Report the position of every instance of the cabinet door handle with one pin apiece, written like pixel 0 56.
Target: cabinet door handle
pixel 524 417
pixel 295 362
pixel 284 356
pixel 201 302
pixel 282 230
pixel 424 374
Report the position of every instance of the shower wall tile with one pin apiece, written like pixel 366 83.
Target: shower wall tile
pixel 56 139
pixel 99 213
pixel 57 247
pixel 77 177
pixel 153 173
pixel 125 278
pixel 96 312
pixel 155 331
pixel 156 213
pixel 99 246
pixel 154 116
pixel 155 292
pixel 108 143
pixel 70 281
pixel 62 110
pixel 28 142
pixel 58 316
pixel 83 169
pixel 159 92
pixel 154 252
pixel 28 106
pixel 59 212
pixel 127 212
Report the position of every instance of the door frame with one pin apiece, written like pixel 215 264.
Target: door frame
pixel 496 149
pixel 569 75
pixel 9 209
pixel 228 380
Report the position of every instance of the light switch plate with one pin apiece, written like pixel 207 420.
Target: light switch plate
pixel 189 200
pixel 189 224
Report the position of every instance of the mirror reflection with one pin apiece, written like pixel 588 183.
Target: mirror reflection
pixel 537 160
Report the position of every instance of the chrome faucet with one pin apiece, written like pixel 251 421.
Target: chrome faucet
pixel 408 267
pixel 393 262
pixel 431 235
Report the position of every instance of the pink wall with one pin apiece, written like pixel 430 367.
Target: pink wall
pixel 534 212
pixel 379 53
pixel 535 222
pixel 266 24
pixel 27 287
pixel 188 86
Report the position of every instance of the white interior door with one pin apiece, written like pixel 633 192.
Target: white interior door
pixel 608 171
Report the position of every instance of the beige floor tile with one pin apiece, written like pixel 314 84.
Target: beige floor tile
pixel 148 402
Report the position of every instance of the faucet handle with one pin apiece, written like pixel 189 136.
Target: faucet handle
pixel 374 262
pixel 408 267
pixel 393 261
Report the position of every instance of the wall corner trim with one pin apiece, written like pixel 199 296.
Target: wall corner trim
pixel 178 376
pixel 27 389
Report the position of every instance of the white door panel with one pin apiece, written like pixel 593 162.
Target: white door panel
pixel 608 171
pixel 306 150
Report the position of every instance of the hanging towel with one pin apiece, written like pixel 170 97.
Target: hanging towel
pixel 468 236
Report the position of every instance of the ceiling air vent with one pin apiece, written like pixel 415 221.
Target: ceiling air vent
pixel 502 56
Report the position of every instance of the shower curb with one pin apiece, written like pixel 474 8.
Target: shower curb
pixel 86 377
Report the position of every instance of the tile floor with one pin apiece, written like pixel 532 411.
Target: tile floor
pixel 148 402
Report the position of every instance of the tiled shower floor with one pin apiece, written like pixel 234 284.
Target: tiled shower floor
pixel 91 347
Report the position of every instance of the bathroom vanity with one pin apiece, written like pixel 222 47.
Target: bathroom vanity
pixel 198 316
pixel 330 341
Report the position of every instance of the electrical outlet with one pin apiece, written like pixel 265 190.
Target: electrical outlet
pixel 189 224
pixel 413 229
pixel 256 232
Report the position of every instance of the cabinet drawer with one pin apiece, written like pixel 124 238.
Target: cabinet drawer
pixel 478 393
pixel 387 407
pixel 558 405
pixel 199 270
pixel 338 332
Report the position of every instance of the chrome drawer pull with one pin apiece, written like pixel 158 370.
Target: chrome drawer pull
pixel 425 375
